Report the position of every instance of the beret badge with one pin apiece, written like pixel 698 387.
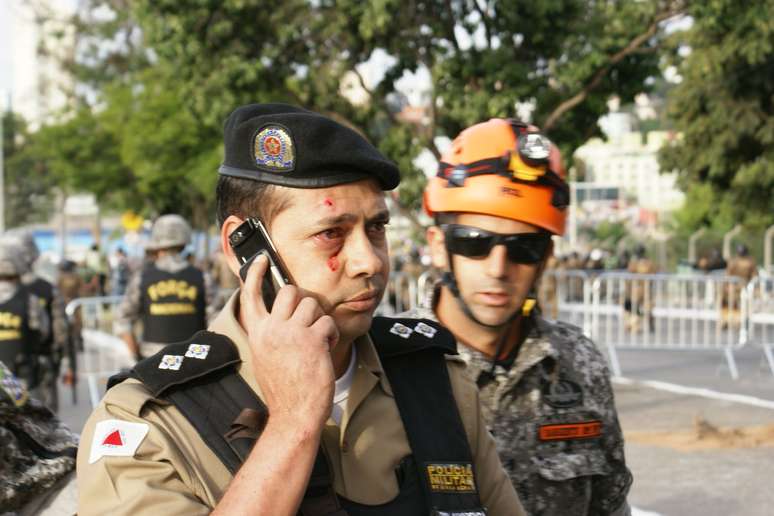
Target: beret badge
pixel 274 151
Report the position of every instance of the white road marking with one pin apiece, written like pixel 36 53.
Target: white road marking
pixel 697 391
pixel 640 512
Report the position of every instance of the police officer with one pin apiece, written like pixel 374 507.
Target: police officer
pixel 169 296
pixel 307 404
pixel 24 325
pixel 497 199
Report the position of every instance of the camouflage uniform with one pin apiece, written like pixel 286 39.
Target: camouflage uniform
pixel 559 378
pixel 37 450
pixel 129 310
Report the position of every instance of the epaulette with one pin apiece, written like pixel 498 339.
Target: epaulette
pixel 204 353
pixel 394 336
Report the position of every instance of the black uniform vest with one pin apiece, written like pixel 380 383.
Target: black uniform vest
pixel 438 478
pixel 45 292
pixel 172 304
pixel 17 345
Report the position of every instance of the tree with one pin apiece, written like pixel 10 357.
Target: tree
pixel 28 195
pixel 724 112
pixel 562 59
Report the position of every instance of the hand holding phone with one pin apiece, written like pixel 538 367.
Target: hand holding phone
pixel 249 241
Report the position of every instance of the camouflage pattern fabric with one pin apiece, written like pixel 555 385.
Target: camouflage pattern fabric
pixel 559 383
pixel 37 450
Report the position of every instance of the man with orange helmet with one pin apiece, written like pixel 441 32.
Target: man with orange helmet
pixel 498 198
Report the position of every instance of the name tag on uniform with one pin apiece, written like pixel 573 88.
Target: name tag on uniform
pixel 568 431
pixel 451 478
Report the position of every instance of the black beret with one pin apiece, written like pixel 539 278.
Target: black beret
pixel 290 146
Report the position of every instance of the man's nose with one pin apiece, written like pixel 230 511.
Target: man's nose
pixel 497 262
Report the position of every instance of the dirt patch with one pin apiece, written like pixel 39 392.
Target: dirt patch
pixel 706 436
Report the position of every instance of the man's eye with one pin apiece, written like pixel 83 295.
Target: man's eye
pixel 331 234
pixel 377 228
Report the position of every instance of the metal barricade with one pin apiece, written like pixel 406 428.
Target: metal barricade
pixel 565 295
pixel 666 311
pixel 103 353
pixel 758 312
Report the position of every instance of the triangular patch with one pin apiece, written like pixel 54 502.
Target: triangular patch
pixel 114 439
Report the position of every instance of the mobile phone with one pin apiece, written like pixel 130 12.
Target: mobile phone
pixel 249 241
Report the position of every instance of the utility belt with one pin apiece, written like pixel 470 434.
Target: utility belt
pixel 437 479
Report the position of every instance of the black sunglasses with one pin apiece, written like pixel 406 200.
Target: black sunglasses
pixel 472 242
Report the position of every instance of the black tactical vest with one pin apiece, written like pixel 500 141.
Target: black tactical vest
pixel 17 347
pixel 437 479
pixel 172 304
pixel 45 293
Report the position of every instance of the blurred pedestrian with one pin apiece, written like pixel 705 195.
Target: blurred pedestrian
pixel 55 350
pixel 96 262
pixel 638 302
pixel 743 267
pixel 119 273
pixel 169 296
pixel 24 324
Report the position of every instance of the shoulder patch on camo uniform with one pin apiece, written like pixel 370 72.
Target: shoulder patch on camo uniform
pixel 396 336
pixel 568 431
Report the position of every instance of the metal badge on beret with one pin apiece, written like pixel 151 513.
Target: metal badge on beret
pixel 274 151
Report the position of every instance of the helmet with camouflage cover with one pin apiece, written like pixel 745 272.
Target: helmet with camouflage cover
pixel 169 231
pixel 11 261
pixel 25 242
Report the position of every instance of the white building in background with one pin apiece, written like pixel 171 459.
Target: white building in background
pixel 630 162
pixel 33 82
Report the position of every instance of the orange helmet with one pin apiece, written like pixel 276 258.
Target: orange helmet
pixel 503 168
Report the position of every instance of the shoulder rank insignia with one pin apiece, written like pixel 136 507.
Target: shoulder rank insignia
pixel 274 150
pixel 172 362
pixel 199 351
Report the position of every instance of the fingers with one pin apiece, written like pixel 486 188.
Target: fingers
pixel 308 311
pixel 326 328
pixel 251 297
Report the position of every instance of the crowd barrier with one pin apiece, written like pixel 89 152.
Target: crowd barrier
pixel 618 310
pixel 103 353
pixel 758 308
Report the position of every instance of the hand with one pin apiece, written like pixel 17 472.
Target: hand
pixel 290 349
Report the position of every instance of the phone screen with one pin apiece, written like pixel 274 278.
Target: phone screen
pixel 248 241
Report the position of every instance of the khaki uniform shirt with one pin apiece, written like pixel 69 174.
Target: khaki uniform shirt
pixel 174 472
pixel 567 476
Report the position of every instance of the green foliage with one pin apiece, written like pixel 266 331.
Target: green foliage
pixel 724 108
pixel 28 195
pixel 162 75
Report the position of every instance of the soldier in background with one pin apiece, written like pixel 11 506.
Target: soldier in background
pixel 24 325
pixel 37 455
pixel 545 391
pixel 638 296
pixel 168 296
pixel 741 266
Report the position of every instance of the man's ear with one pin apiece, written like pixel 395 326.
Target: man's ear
pixel 437 245
pixel 228 227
